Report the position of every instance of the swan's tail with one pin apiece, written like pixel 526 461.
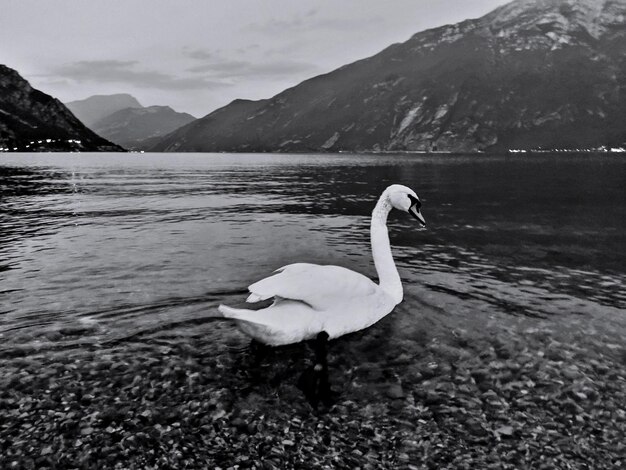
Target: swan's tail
pixel 258 326
pixel 242 316
pixel 230 312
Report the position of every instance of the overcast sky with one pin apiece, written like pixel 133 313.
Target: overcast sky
pixel 198 55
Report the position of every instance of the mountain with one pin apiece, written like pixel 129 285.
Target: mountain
pixel 224 124
pixel 94 108
pixel 530 74
pixel 31 120
pixel 140 128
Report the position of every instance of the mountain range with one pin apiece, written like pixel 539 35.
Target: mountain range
pixel 530 74
pixel 96 107
pixel 31 120
pixel 140 128
pixel 120 118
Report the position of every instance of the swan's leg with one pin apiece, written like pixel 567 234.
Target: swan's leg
pixel 259 350
pixel 314 381
pixel 258 353
pixel 321 354
pixel 321 361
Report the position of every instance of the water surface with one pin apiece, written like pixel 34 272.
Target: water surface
pixel 106 249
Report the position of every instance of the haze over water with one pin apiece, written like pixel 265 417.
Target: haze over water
pixel 104 249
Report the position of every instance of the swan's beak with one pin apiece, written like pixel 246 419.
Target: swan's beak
pixel 415 212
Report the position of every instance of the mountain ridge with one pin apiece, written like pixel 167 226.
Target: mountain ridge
pixel 93 108
pixel 121 119
pixel 138 128
pixel 31 120
pixel 529 74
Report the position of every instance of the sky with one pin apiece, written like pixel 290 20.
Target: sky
pixel 199 55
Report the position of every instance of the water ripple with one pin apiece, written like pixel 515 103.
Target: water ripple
pixel 99 250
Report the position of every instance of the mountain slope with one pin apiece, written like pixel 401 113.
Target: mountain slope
pixel 533 73
pixel 31 120
pixel 92 109
pixel 209 133
pixel 137 128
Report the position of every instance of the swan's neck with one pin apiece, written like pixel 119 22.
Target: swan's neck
pixel 381 250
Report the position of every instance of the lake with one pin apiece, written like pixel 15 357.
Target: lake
pixel 507 349
pixel 108 248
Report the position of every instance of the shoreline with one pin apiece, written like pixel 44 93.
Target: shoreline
pixel 508 152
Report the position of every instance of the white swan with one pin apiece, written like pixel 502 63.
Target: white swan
pixel 311 299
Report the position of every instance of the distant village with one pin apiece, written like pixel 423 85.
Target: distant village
pixel 602 149
pixel 33 145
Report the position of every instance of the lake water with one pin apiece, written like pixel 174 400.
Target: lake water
pixel 107 249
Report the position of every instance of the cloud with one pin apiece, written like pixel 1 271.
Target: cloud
pixel 348 24
pixel 239 68
pixel 127 72
pixel 54 83
pixel 222 68
pixel 291 48
pixel 307 23
pixel 274 26
pixel 215 66
pixel 204 55
pixel 200 54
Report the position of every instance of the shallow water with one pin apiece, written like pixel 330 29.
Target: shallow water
pixel 103 249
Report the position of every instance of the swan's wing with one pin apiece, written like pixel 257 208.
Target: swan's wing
pixel 318 286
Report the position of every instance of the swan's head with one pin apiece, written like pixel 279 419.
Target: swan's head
pixel 404 199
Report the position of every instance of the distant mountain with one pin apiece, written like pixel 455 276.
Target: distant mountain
pixel 530 74
pixel 92 109
pixel 140 128
pixel 207 134
pixel 31 120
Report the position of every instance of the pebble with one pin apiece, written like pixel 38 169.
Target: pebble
pixel 505 431
pixel 432 398
pixel 395 391
pixel 475 427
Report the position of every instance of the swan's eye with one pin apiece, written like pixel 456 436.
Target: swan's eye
pixel 415 201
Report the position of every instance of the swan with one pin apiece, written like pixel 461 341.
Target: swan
pixel 323 301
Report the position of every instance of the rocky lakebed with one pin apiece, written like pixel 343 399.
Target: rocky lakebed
pixel 501 391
